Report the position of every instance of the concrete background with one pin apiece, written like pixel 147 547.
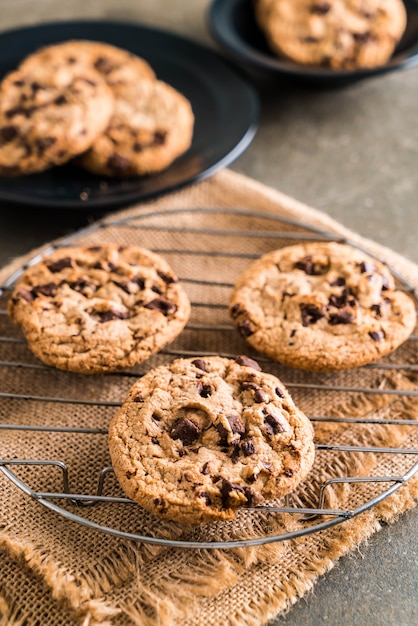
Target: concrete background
pixel 351 152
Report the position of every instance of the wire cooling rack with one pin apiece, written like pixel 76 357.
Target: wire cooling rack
pixel 256 233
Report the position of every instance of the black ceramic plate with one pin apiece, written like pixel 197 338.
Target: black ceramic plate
pixel 232 25
pixel 225 108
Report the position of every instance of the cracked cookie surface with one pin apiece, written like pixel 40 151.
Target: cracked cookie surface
pixel 198 439
pixel 341 34
pixel 321 306
pixel 151 126
pixel 48 116
pixel 99 308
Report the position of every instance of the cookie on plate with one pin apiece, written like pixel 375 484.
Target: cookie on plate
pixel 116 65
pixel 151 126
pixel 341 34
pixel 49 116
pixel 321 306
pixel 100 308
pixel 198 439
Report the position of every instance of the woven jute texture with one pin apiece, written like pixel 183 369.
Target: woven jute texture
pixel 57 571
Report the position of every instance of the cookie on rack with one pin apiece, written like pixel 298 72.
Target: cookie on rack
pixel 321 306
pixel 117 66
pixel 151 126
pixel 341 34
pixel 198 439
pixel 99 308
pixel 48 116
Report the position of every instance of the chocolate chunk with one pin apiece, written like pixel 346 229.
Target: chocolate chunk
pixel 109 316
pixel 94 248
pixel 247 447
pixel 50 289
pixel 245 360
pixel 344 316
pixel 138 281
pixel 26 295
pixel 226 488
pixel 167 278
pixel 158 502
pixel 137 147
pixel 252 497
pixel 310 314
pixel 203 390
pixel 223 434
pixel 322 8
pixel 57 266
pixel 81 285
pixel 376 308
pixel 19 110
pixel 205 469
pixel 293 332
pixel 308 266
pixel 103 65
pixel 385 283
pixel 261 396
pixel 236 424
pixel 245 328
pixel 159 137
pixel 367 267
pixel 123 284
pixel 43 143
pixel 267 466
pixel 338 301
pixel 362 37
pixel 200 364
pixel 273 425
pixel 8 133
pixel 249 385
pixel 156 289
pixel 338 282
pixel 118 163
pixel 36 86
pixel 160 304
pixel 235 310
pixel 155 441
pixel 377 335
pixel 205 496
pixel 138 399
pixel 61 100
pixel 279 392
pixel 185 430
pixel 288 472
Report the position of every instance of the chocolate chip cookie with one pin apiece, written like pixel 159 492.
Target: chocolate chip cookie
pixel 151 126
pixel 116 65
pixel 47 116
pixel 100 308
pixel 321 306
pixel 198 439
pixel 341 34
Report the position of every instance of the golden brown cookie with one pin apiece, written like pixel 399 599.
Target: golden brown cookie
pixel 321 306
pixel 116 65
pixel 151 126
pixel 198 439
pixel 341 34
pixel 48 116
pixel 100 308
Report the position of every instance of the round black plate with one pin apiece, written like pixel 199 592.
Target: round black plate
pixel 225 108
pixel 233 26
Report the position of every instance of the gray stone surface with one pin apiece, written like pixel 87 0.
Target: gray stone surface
pixel 352 153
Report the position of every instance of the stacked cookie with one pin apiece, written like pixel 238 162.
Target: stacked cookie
pixel 94 102
pixel 340 34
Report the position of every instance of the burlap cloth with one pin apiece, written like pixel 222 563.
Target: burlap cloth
pixel 55 571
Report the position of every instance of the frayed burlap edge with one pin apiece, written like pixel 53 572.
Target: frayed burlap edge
pixel 231 190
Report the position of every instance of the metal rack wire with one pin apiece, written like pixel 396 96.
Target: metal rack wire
pixel 277 230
